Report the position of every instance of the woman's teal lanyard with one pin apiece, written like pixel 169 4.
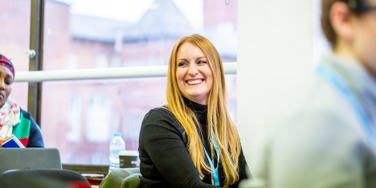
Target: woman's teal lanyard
pixel 349 96
pixel 214 170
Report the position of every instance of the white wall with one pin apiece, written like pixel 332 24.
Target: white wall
pixel 274 55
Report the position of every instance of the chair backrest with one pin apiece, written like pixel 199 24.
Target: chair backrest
pixel 43 178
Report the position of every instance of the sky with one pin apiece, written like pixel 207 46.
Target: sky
pixel 132 10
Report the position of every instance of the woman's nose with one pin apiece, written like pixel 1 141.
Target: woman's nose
pixel 192 69
pixel 2 85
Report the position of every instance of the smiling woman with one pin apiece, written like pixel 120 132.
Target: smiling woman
pixel 14 120
pixel 192 141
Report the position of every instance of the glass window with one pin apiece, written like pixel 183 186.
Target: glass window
pixel 98 115
pixel 74 118
pixel 118 33
pixel 14 41
pixel 72 61
pixel 101 61
pixel 87 113
pixel 115 61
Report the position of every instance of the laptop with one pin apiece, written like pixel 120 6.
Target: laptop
pixel 29 158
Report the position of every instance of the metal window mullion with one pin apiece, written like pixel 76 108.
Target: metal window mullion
pixel 36 62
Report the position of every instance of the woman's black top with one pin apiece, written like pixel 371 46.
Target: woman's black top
pixel 165 161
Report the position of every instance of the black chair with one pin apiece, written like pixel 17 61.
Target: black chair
pixel 42 178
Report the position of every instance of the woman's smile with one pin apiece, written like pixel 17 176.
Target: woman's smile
pixel 194 81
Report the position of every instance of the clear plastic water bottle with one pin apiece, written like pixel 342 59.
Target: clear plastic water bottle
pixel 117 144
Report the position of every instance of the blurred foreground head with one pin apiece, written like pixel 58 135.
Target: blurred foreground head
pixel 350 27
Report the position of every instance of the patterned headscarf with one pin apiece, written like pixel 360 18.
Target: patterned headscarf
pixel 7 63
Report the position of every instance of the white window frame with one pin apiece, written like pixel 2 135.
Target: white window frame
pixel 103 73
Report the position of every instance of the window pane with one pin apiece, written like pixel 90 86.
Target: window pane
pixel 14 41
pixel 81 118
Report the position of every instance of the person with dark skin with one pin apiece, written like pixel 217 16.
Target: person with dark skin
pixel 14 120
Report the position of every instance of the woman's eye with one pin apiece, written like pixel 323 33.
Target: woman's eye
pixel 201 62
pixel 8 82
pixel 181 64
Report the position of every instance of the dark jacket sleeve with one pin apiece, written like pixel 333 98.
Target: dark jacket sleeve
pixel 163 142
pixel 35 136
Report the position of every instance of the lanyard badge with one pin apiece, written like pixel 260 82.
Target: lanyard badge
pixel 349 96
pixel 214 170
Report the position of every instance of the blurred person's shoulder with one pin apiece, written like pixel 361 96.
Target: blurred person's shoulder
pixel 25 113
pixel 314 105
pixel 314 124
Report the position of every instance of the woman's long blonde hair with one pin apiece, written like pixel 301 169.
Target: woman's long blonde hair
pixel 223 128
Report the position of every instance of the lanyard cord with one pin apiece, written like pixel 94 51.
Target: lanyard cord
pixel 349 96
pixel 214 170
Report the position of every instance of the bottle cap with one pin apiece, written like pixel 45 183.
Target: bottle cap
pixel 117 134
